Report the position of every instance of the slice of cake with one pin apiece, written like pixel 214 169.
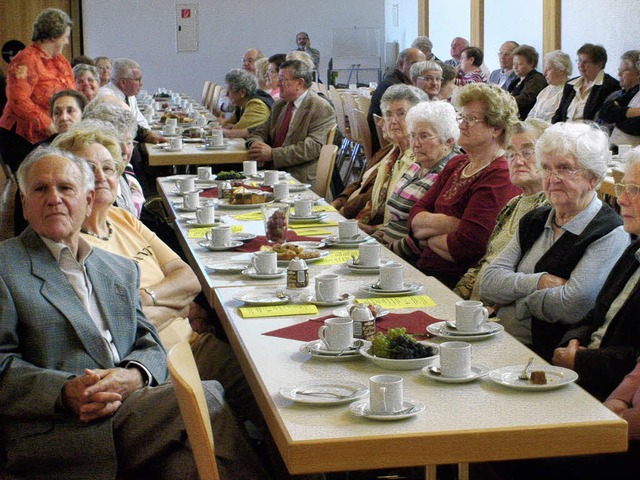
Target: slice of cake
pixel 538 377
pixel 245 196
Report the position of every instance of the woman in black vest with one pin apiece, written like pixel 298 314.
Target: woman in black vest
pixel 548 276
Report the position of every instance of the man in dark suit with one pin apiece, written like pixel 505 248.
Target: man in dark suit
pixel 82 371
pixel 297 128
pixel 504 75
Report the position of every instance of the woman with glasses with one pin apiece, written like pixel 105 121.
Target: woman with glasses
pixel 583 96
pixel 450 225
pixel 548 276
pixel 525 175
pixel 427 76
pixel 557 69
pixel 103 64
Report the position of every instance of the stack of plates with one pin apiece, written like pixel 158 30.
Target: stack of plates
pixel 448 330
pixel 317 349
pixel 336 241
pixel 407 289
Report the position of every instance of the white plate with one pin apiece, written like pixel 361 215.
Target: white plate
pixel 191 140
pixel 308 244
pixel 400 364
pixel 477 371
pixel 323 253
pixel 487 328
pixel 335 303
pixel 440 329
pixel 226 267
pixel 356 268
pixel 299 187
pixel 223 203
pixel 177 192
pixel 211 148
pixel 281 175
pixel 250 272
pixel 316 350
pixel 221 248
pixel 361 409
pixel 175 178
pixel 350 390
pixel 556 377
pixel 262 299
pixel 354 241
pixel 414 289
pixel 196 224
pixel 311 218
pixel 348 245
pixel 343 312
pixel 208 183
pixel 242 236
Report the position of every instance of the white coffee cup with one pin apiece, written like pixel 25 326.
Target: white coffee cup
pixel 176 143
pixel 172 121
pixel 369 254
pixel 385 394
pixel 327 287
pixel 204 173
pixel 217 137
pixel 270 178
pixel 303 207
pixel 191 200
pixel 470 315
pixel 348 229
pixel 186 185
pixel 336 333
pixel 220 235
pixel 455 359
pixel 280 191
pixel 265 263
pixel 201 121
pixel 169 129
pixel 249 168
pixel 206 215
pixel 391 276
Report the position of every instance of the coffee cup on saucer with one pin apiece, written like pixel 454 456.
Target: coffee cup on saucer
pixel 369 254
pixel 206 215
pixel 327 287
pixel 348 229
pixel 386 394
pixel 303 207
pixel 219 236
pixel 176 143
pixel 265 263
pixel 391 276
pixel 336 333
pixel 186 185
pixel 455 359
pixel 471 316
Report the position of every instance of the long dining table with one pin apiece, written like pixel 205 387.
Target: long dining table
pixel 462 423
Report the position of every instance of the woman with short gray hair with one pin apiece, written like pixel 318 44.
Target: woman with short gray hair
pixel 87 80
pixel 433 133
pixel 548 276
pixel 557 70
pixel 252 105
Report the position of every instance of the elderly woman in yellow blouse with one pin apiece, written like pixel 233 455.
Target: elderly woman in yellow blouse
pixel 167 284
pixel 395 103
pixel 252 106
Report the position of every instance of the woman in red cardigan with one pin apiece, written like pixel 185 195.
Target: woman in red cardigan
pixel 35 74
pixel 451 224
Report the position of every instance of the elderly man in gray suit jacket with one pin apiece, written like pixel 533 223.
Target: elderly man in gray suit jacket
pixel 298 126
pixel 82 371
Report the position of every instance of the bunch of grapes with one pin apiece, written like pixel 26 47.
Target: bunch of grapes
pixel 276 229
pixel 397 344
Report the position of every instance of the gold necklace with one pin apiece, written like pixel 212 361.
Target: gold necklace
pixel 499 153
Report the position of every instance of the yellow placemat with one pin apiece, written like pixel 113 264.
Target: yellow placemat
pixel 414 301
pixel 312 232
pixel 277 311
pixel 200 232
pixel 324 208
pixel 337 257
pixel 249 216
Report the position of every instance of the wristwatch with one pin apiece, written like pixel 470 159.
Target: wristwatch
pixel 152 294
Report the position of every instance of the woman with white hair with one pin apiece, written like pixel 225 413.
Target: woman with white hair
pixel 433 134
pixel 87 80
pixel 548 276
pixel 557 69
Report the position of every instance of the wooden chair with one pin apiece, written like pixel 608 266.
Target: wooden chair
pixel 206 91
pixel 215 100
pixel 324 172
pixel 332 135
pixel 193 407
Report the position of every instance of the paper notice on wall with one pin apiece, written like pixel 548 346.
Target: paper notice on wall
pixel 187 27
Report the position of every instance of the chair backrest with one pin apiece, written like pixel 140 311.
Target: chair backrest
pixel 364 134
pixel 206 89
pixel 349 108
pixel 336 98
pixel 193 407
pixel 324 172
pixel 379 121
pixel 332 135
pixel 218 92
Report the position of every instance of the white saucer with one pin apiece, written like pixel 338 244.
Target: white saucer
pixel 356 268
pixel 242 236
pixel 299 187
pixel 335 239
pixel 308 244
pixel 335 303
pixel 220 248
pixel 192 140
pixel 440 329
pixel 262 299
pixel 317 349
pixel 226 267
pixel 177 192
pixel 477 371
pixel 410 289
pixel 250 272
pixel 196 224
pixel 349 391
pixel 487 328
pixel 344 312
pixel 310 218
pixel 361 409
pixel 323 253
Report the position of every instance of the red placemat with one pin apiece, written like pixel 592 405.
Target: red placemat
pixel 255 244
pixel 415 322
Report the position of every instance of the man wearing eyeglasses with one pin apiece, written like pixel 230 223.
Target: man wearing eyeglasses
pixel 427 76
pixel 297 127
pixel 249 60
pixel 504 75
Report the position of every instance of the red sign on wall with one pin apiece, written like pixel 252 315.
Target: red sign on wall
pixel 186 13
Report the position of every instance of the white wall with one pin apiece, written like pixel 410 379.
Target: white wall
pixel 145 30
pixel 448 19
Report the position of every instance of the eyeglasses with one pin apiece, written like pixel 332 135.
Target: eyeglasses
pixel 397 115
pixel 249 60
pixel 429 78
pixel 423 137
pixel 561 173
pixel 109 169
pixel 583 62
pixel 526 154
pixel 629 188
pixel 285 80
pixel 137 80
pixel 469 119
